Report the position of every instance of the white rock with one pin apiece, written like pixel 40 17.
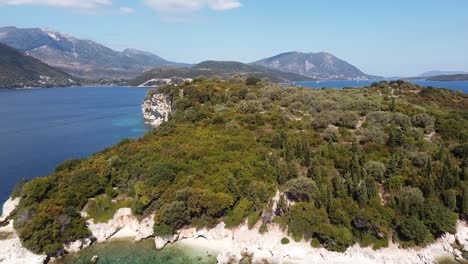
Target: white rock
pixel 161 242
pixel 232 244
pixel 122 225
pixel 156 109
pixel 8 208
pixel 78 245
pixel 462 235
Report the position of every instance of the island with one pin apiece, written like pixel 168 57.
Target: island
pixel 266 173
pixel 448 78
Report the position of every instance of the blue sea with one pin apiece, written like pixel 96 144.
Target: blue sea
pixel 40 128
pixel 457 85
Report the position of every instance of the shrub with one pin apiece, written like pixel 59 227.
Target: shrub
pixel 234 99
pixel 285 241
pixel 250 107
pixel 252 80
pixel 376 170
pixel 423 120
pixel 250 96
pixel 18 188
pixel 238 214
pixel 163 230
pixel 348 120
pixel 67 165
pixel 263 229
pixel 301 189
pixel 315 243
pixel 296 107
pixel 412 229
pixel 305 220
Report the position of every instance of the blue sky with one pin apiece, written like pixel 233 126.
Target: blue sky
pixel 383 37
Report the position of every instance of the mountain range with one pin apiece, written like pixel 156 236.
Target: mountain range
pixel 321 65
pixel 81 58
pixel 223 69
pixel 87 59
pixel 18 70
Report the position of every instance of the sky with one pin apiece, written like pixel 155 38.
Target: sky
pixel 381 37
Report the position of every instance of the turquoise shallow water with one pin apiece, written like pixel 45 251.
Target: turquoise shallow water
pixel 128 252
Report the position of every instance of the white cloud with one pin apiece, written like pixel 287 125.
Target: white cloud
pixel 126 10
pixel 191 5
pixel 85 4
pixel 167 8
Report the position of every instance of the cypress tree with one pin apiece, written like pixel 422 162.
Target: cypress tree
pixel 464 204
pixel 392 105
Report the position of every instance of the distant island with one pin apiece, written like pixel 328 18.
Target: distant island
pixel 438 73
pixel 456 77
pixel 321 65
pixel 320 168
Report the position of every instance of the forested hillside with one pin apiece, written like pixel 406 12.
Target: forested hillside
pixel 354 165
pixel 18 70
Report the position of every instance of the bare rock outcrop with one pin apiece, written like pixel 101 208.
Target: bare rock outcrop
pixel 156 108
pixel 8 208
pixel 122 225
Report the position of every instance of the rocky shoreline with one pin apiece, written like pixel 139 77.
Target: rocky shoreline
pixel 234 245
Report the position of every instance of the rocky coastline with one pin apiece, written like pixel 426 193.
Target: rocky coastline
pixel 235 245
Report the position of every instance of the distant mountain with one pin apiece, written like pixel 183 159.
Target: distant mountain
pixel 82 58
pixel 439 73
pixel 224 69
pixel 320 65
pixel 454 77
pixel 18 70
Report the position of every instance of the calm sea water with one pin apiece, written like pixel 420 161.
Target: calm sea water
pixel 461 85
pixel 128 252
pixel 39 128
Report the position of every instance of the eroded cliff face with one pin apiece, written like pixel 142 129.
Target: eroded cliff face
pixel 156 108
pixel 123 225
pixel 233 245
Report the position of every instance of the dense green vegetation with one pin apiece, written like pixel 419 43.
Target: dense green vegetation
pixel 351 165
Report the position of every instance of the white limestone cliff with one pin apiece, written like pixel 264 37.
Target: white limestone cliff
pixel 122 225
pixel 78 245
pixel 156 108
pixel 8 208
